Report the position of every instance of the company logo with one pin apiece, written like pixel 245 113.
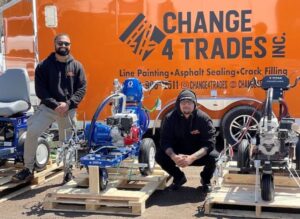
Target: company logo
pixel 130 84
pixel 70 74
pixel 195 132
pixel 142 36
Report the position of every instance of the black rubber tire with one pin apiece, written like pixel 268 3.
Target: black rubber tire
pixel 243 159
pixel 103 178
pixel 147 156
pixel 40 164
pixel 267 187
pixel 298 155
pixel 3 162
pixel 68 177
pixel 237 114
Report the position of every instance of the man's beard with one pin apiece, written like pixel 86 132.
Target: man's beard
pixel 186 112
pixel 62 52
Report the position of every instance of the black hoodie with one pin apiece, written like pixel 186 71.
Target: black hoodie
pixel 60 82
pixel 186 136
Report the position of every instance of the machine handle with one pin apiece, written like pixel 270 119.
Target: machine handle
pixel 163 84
pixel 295 82
pixel 254 82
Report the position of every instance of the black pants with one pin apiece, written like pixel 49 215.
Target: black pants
pixel 208 161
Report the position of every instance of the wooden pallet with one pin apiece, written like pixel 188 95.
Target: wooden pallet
pixel 234 200
pixel 125 194
pixel 236 197
pixel 8 188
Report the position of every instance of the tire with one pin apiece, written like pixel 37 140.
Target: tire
pixel 298 155
pixel 2 162
pixel 103 178
pixel 67 177
pixel 243 159
pixel 234 122
pixel 147 156
pixel 42 154
pixel 267 187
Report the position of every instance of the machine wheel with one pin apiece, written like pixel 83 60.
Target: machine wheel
pixel 298 155
pixel 234 123
pixel 42 154
pixel 103 178
pixel 67 177
pixel 267 187
pixel 2 162
pixel 243 159
pixel 147 156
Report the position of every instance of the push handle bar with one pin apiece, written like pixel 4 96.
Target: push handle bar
pixel 163 84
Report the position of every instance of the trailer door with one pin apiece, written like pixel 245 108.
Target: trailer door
pixel 19 36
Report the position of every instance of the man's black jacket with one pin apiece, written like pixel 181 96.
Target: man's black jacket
pixel 60 82
pixel 187 136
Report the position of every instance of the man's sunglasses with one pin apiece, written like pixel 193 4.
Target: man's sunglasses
pixel 62 43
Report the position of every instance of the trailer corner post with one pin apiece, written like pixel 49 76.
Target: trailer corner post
pixel 35 33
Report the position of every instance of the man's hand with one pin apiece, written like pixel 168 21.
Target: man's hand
pixel 186 160
pixel 177 158
pixel 181 160
pixel 62 108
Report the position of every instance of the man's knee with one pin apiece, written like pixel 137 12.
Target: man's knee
pixel 35 127
pixel 162 159
pixel 34 132
pixel 38 123
pixel 211 162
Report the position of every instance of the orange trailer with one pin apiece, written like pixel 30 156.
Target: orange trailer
pixel 213 47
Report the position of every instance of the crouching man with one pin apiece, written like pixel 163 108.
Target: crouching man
pixel 187 139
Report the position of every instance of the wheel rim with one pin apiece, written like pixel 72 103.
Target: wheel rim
pixel 238 126
pixel 104 181
pixel 151 157
pixel 103 178
pixel 42 154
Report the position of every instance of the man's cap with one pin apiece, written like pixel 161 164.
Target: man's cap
pixel 187 98
pixel 188 95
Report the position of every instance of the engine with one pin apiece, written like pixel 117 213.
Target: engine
pixel 269 143
pixel 6 134
pixel 274 136
pixel 120 130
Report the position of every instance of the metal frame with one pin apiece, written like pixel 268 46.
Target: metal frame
pixel 14 151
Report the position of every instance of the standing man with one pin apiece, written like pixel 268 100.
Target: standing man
pixel 187 138
pixel 60 84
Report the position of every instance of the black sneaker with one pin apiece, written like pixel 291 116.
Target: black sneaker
pixel 177 183
pixel 22 175
pixel 206 188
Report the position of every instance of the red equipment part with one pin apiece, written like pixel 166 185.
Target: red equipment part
pixel 133 136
